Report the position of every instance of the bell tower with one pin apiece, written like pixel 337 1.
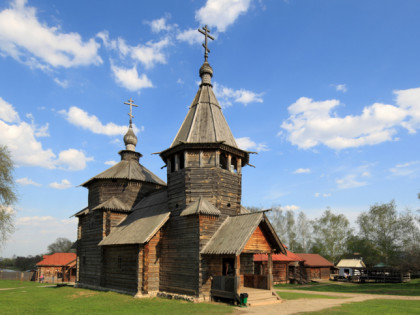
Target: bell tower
pixel 204 159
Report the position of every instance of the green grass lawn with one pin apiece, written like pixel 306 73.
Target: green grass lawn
pixel 298 295
pixel 30 298
pixel 411 288
pixel 383 307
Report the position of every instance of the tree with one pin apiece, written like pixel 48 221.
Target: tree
pixel 7 194
pixel 61 245
pixel 291 231
pixel 331 234
pixel 303 231
pixel 382 226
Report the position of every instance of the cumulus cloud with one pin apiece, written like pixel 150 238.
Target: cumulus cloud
pixel 130 79
pixel 312 123
pixel 81 118
pixel 73 160
pixel 245 143
pixel 290 208
pixel 160 25
pixel 349 181
pixel 302 171
pixel 21 138
pixel 227 95
pixel 191 36
pixel 64 184
pixel 405 169
pixel 32 42
pixel 62 83
pixel 220 13
pixel 111 163
pixel 25 181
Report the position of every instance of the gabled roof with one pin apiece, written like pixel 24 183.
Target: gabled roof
pixel 315 260
pixel 113 203
pixel 234 233
pixel 81 212
pixel 279 257
pixel 351 263
pixel 148 216
pixel 200 206
pixel 127 169
pixel 205 122
pixel 57 259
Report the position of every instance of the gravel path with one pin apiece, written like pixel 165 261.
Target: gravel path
pixel 312 305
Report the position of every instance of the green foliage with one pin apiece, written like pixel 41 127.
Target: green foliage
pixel 7 194
pixel 30 299
pixel 331 233
pixel 383 307
pixel 60 245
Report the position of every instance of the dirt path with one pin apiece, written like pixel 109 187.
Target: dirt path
pixel 312 305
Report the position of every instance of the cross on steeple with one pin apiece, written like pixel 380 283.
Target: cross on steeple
pixel 206 34
pixel 131 104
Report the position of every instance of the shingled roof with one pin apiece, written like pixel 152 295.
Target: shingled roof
pixel 127 169
pixel 200 206
pixel 113 203
pixel 315 260
pixel 235 232
pixel 57 259
pixel 148 216
pixel 279 257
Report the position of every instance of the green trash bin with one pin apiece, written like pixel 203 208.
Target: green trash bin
pixel 243 298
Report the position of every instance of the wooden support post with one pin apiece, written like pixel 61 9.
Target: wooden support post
pixel 185 159
pixel 200 159
pixel 238 274
pixel 270 271
pixel 229 162
pixel 239 165
pixel 146 268
pixel 217 158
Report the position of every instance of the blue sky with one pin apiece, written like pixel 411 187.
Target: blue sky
pixel 327 93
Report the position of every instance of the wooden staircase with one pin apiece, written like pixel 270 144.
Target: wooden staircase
pixel 260 297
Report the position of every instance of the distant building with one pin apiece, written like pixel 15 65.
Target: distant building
pixel 350 267
pixel 58 267
pixel 316 266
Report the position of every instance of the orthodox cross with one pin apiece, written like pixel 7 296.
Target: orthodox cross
pixel 206 34
pixel 131 104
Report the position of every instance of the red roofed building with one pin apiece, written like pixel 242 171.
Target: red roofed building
pixel 58 267
pixel 317 267
pixel 286 268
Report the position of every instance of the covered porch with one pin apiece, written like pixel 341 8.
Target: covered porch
pixel 231 251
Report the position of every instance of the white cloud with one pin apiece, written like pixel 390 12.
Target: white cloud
pixel 21 139
pixel 406 169
pixel 191 36
pixel 160 25
pixel 32 42
pixel 302 171
pixel 349 181
pixel 62 83
pixel 326 195
pixel 129 78
pixel 340 87
pixel 312 123
pixel 290 208
pixel 227 95
pixel 80 118
pixel 110 163
pixel 317 194
pixel 245 143
pixel 64 184
pixel 221 13
pixel 73 160
pixel 25 181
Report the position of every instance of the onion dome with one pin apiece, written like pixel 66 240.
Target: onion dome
pixel 206 73
pixel 130 140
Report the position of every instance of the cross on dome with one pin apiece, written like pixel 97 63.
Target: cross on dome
pixel 131 104
pixel 206 32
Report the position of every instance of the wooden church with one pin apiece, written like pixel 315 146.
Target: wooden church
pixel 190 236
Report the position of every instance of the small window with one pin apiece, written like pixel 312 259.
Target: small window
pixel 181 161
pixel 228 266
pixel 172 164
pixel 223 161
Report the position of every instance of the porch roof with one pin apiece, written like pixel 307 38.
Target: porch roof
pixel 147 217
pixel 234 233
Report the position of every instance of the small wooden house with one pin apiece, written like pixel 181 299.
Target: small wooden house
pixel 58 267
pixel 316 266
pixel 286 268
pixel 189 236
